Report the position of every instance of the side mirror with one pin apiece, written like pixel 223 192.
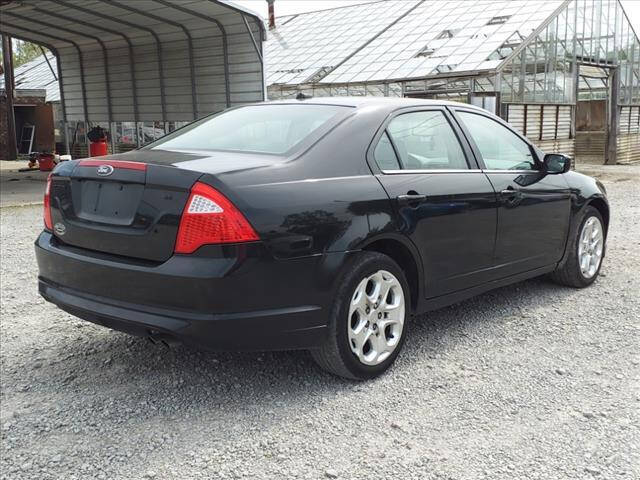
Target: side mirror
pixel 556 163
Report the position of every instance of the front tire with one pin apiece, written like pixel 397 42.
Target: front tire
pixel 585 252
pixel 368 321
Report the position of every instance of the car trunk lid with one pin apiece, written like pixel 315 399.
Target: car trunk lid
pixel 119 207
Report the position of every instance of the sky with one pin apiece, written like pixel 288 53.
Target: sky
pixel 290 7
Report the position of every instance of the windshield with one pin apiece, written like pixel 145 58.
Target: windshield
pixel 270 128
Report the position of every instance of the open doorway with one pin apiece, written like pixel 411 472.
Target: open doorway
pixel 34 127
pixel 25 116
pixel 593 112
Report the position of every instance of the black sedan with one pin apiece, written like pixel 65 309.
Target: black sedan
pixel 318 224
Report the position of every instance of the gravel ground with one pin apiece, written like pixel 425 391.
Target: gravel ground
pixel 531 381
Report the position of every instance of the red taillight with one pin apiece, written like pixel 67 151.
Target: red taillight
pixel 48 223
pixel 208 218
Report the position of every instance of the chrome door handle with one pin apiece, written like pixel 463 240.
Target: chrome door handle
pixel 411 198
pixel 509 192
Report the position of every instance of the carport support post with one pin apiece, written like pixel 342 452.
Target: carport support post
pixel 7 60
pixel 65 126
pixel 112 136
pixel 612 130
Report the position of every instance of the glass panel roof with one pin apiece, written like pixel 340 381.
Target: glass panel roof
pixel 399 39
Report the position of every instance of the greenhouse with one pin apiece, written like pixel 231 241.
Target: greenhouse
pixel 565 73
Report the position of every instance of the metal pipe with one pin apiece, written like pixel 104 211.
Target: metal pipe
pixel 272 15
pixel 614 117
pixel 66 137
pixel 112 137
pixel 86 139
pixel 62 102
pixel 134 89
pixel 230 6
pixel 194 102
pixel 44 54
pixel 253 40
pixel 7 61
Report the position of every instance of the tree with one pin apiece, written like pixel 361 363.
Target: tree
pixel 23 52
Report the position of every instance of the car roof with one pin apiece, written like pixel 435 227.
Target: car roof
pixel 390 103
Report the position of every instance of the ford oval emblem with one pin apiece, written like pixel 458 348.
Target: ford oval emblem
pixel 60 229
pixel 104 170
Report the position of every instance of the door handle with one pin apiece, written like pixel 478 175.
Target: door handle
pixel 509 192
pixel 411 198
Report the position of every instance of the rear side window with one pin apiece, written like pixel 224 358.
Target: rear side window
pixel 272 129
pixel 423 141
pixel 384 154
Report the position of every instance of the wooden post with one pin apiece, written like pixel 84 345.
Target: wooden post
pixel 7 58
pixel 614 117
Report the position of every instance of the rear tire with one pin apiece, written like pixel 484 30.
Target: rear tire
pixel 585 252
pixel 368 321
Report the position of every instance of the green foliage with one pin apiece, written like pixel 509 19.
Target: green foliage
pixel 23 52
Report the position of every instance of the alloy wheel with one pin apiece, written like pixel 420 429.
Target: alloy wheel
pixel 376 317
pixel 590 247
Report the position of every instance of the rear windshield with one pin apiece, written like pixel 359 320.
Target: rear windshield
pixel 273 129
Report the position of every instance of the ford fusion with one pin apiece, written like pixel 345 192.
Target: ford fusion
pixel 319 224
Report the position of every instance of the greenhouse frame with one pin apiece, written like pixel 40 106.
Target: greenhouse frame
pixel 565 73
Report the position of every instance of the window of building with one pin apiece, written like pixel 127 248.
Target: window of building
pixel 499 20
pixel 426 52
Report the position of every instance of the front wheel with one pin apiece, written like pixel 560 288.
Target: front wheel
pixel 368 324
pixel 585 254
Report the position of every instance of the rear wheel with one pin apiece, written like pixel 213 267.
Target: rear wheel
pixel 368 322
pixel 586 251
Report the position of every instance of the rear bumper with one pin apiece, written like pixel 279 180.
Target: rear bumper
pixel 285 328
pixel 224 298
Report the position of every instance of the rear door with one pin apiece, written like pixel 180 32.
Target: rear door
pixel 125 208
pixel 445 204
pixel 533 208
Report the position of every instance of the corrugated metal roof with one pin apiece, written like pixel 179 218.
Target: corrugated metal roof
pixel 399 39
pixel 36 75
pixel 148 60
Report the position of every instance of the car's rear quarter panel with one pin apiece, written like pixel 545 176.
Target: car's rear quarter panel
pixel 322 200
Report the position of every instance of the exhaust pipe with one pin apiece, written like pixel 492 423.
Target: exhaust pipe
pixel 168 341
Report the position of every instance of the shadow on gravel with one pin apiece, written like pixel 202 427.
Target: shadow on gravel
pixel 108 366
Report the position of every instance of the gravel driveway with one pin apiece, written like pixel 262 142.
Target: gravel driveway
pixel 531 381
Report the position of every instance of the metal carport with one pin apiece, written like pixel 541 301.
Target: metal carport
pixel 148 60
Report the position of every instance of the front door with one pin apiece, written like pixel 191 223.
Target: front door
pixel 533 207
pixel 446 205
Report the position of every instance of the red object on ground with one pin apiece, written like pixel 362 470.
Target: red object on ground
pixel 45 162
pixel 99 148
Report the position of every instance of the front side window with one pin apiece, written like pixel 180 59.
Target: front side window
pixel 272 129
pixel 501 149
pixel 426 141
